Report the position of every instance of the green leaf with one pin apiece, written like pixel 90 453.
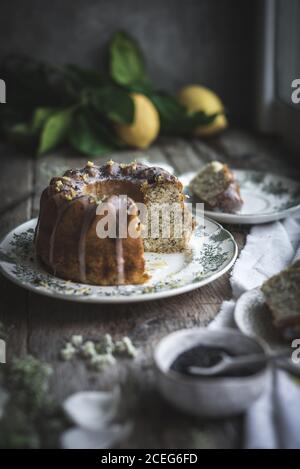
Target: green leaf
pixel 41 114
pixel 126 61
pixel 116 104
pixel 146 88
pixel 175 119
pixel 191 121
pixel 171 112
pixel 88 137
pixel 55 130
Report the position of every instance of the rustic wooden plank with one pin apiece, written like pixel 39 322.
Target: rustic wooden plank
pixel 205 150
pixel 14 216
pixel 54 321
pixel 182 155
pixel 15 178
pixel 15 205
pixel 243 149
pixel 13 315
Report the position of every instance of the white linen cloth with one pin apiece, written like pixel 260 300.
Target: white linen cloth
pixel 269 249
pixel 273 420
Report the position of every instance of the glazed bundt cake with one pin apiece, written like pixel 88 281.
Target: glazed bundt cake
pixel 66 238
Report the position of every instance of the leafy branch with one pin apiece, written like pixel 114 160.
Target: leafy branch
pixel 49 105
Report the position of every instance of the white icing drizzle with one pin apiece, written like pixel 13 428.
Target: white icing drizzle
pixel 89 214
pixel 119 243
pixel 120 261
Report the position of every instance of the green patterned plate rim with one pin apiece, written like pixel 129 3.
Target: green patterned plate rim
pixel 211 253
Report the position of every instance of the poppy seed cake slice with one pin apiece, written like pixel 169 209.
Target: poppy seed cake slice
pixel 217 188
pixel 282 294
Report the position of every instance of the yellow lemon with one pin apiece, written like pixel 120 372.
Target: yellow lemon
pixel 198 98
pixel 145 127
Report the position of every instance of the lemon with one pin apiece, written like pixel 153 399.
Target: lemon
pixel 198 98
pixel 145 127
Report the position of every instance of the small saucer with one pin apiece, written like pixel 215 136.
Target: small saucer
pixel 213 397
pixel 254 319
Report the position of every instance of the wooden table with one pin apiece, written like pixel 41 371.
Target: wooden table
pixel 39 325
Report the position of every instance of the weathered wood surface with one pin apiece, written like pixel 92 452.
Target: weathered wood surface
pixel 39 325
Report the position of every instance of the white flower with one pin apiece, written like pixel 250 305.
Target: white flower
pixel 68 352
pixel 77 340
pixel 88 349
pixel 100 361
pixel 105 344
pixel 125 347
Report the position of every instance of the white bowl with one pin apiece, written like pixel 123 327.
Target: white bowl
pixel 208 396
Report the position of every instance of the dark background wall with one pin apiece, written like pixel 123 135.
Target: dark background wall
pixel 185 41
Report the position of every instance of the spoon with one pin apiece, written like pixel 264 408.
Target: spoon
pixel 229 363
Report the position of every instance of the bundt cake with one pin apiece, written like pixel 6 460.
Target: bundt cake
pixel 215 185
pixel 66 238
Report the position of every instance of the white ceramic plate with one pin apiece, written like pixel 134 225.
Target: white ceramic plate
pixel 254 319
pixel 267 197
pixel 212 252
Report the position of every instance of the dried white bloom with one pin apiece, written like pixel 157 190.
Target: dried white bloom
pixel 68 352
pixel 125 347
pixel 77 340
pixel 99 361
pixel 105 344
pixel 88 349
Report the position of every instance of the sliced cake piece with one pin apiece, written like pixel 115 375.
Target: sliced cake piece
pixel 216 187
pixel 282 294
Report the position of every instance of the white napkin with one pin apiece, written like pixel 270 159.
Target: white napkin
pixel 273 420
pixel 269 249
